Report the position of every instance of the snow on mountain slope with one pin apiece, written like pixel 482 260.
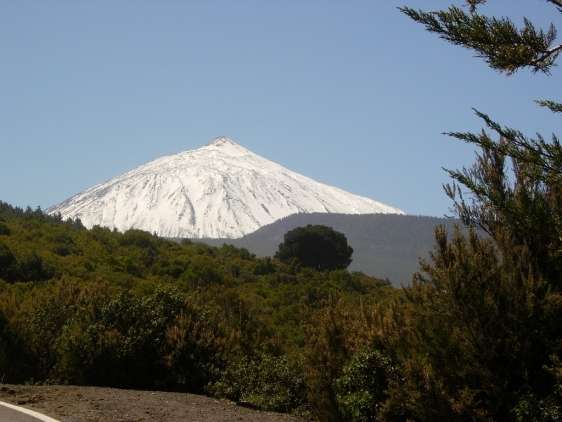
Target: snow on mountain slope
pixel 221 190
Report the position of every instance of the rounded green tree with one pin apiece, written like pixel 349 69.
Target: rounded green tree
pixel 318 247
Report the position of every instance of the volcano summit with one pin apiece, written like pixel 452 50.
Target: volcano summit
pixel 221 190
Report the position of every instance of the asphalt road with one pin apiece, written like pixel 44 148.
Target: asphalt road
pixel 10 415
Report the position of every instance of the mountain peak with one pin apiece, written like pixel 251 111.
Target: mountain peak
pixel 222 141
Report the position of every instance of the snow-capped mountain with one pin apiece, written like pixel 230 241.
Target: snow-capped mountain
pixel 221 190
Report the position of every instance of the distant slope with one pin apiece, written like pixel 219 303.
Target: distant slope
pixel 385 245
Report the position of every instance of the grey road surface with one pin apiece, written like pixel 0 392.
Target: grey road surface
pixel 9 415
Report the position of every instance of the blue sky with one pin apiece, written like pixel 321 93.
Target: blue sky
pixel 350 93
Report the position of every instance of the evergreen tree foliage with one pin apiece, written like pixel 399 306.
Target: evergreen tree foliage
pixel 478 334
pixel 505 46
pixel 316 246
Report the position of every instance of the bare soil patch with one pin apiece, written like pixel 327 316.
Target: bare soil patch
pixel 96 404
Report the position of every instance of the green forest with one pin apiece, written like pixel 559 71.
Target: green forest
pixel 475 337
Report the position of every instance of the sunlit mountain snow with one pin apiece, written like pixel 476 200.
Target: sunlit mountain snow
pixel 221 190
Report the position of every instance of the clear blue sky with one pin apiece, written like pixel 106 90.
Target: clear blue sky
pixel 350 93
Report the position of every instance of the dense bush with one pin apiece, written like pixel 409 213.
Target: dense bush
pixel 4 230
pixel 195 350
pixel 13 359
pixel 103 346
pixel 8 262
pixel 361 390
pixel 265 382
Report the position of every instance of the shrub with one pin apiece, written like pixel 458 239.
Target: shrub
pixel 117 343
pixel 265 382
pixel 361 390
pixel 193 351
pixel 32 267
pixel 4 229
pixel 7 263
pixel 13 357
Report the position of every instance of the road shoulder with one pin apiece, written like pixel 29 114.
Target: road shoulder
pixel 97 404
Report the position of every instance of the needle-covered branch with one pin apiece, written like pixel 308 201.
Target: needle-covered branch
pixel 505 46
pixel 557 3
pixel 552 105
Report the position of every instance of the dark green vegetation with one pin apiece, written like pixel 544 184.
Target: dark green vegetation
pixel 318 247
pixel 384 245
pixel 97 307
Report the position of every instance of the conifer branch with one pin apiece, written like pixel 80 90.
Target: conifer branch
pixel 505 46
pixel 552 105
pixel 557 3
pixel 547 58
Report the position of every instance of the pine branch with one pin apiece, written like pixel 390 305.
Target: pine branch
pixel 473 4
pixel 557 3
pixel 503 45
pixel 513 144
pixel 552 105
pixel 547 59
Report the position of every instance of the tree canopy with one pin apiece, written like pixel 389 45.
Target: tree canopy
pixel 316 246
